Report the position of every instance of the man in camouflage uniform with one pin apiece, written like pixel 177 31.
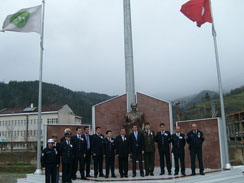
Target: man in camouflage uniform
pixel 149 154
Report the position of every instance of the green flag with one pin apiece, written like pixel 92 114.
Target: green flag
pixel 25 20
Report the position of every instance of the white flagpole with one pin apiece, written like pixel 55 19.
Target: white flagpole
pixel 38 169
pixel 226 161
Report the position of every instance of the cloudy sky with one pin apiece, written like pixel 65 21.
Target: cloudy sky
pixel 84 47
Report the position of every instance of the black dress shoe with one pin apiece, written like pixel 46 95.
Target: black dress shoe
pixel 134 175
pixel 151 174
pixel 126 176
pixel 170 173
pixel 113 176
pixel 176 173
pixel 162 173
pixel 84 178
pixel 183 174
pixel 147 174
pixel 193 174
pixel 95 176
pixel 142 175
pixel 201 173
pixel 101 175
pixel 106 176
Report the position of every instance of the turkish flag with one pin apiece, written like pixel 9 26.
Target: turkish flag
pixel 197 11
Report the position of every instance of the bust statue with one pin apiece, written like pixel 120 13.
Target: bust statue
pixel 134 117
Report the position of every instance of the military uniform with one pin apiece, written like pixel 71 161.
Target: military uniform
pixel 149 154
pixel 79 143
pixel 56 146
pixel 50 160
pixel 109 153
pixel 97 148
pixel 67 151
pixel 163 138
pixel 122 146
pixel 178 142
pixel 195 140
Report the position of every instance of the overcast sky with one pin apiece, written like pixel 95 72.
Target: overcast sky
pixel 84 47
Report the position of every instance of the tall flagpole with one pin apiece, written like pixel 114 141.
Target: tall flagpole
pixel 227 161
pixel 129 66
pixel 38 168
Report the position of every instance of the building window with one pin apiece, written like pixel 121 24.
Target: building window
pixel 52 121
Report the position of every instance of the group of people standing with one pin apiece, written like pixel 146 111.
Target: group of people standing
pixel 79 149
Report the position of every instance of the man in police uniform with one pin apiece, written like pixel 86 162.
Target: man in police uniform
pixel 97 152
pixel 136 146
pixel 163 138
pixel 149 154
pixel 122 152
pixel 79 143
pixel 56 146
pixel 109 153
pixel 178 142
pixel 67 151
pixel 50 162
pixel 195 140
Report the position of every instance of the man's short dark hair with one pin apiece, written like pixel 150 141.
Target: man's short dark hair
pixel 147 123
pixel 122 128
pixel 98 127
pixel 134 126
pixel 86 127
pixel 108 131
pixel 77 128
pixel 162 124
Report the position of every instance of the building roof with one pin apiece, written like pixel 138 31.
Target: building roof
pixel 28 109
pixel 234 113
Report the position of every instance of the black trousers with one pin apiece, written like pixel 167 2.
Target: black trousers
pixel 87 162
pixel 109 165
pixel 98 164
pixel 165 154
pixel 181 157
pixel 137 156
pixel 66 172
pixel 193 153
pixel 123 165
pixel 149 158
pixel 81 161
pixel 50 173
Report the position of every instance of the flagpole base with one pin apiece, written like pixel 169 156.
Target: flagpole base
pixel 38 172
pixel 227 166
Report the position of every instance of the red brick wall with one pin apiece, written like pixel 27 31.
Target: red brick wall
pixel 211 149
pixel 111 114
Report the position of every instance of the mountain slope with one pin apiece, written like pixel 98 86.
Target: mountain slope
pixel 16 94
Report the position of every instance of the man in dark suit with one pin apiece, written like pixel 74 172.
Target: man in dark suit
pixel 56 146
pixel 122 152
pixel 136 147
pixel 195 140
pixel 109 153
pixel 66 151
pixel 163 138
pixel 149 155
pixel 88 138
pixel 178 142
pixel 97 152
pixel 79 143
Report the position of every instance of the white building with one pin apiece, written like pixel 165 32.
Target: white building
pixel 18 127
